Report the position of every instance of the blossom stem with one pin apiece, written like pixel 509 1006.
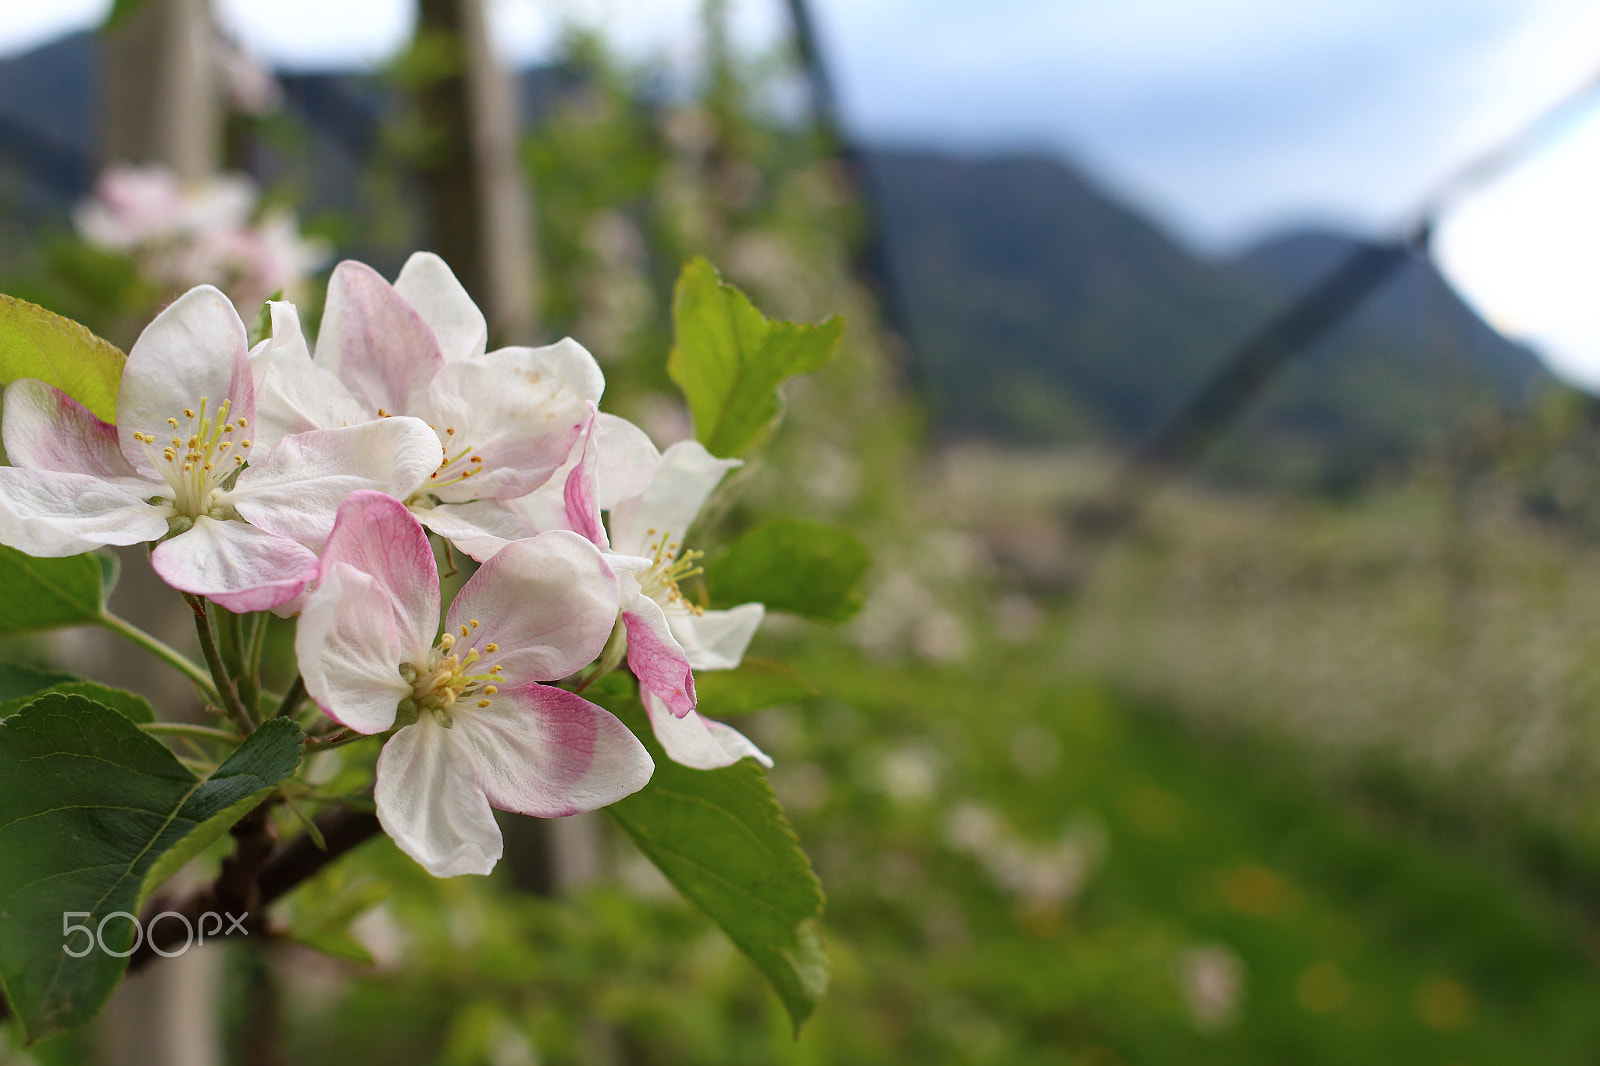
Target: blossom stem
pixel 345 736
pixel 610 656
pixel 185 729
pixel 170 655
pixel 219 674
pixel 291 699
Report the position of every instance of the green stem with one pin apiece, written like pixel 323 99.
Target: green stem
pixel 291 699
pixel 258 641
pixel 184 729
pixel 170 655
pixel 219 674
pixel 610 656
pixel 337 740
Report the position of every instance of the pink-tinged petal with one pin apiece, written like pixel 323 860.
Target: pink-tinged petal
pixel 716 640
pixel 51 514
pixel 545 508
pixel 376 342
pixel 581 494
pixel 687 476
pixel 430 803
pixel 45 429
pixel 654 655
pixel 520 410
pixel 350 646
pixel 480 528
pixel 549 753
pixel 627 462
pixel 696 741
pixel 548 603
pixel 376 535
pixel 428 285
pixel 293 394
pixel 235 564
pixel 297 489
pixel 194 350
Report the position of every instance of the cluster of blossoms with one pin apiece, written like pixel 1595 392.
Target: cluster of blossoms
pixel 275 478
pixel 180 234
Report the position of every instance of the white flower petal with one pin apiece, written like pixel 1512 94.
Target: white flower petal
pixel 428 285
pixel 194 349
pixel 350 647
pixel 696 741
pixel 376 342
pixel 237 565
pixel 51 514
pixel 297 489
pixel 687 476
pixel 430 803
pixel 549 602
pixel 519 409
pixel 627 460
pixel 549 753
pixel 480 528
pixel 716 640
pixel 654 655
pixel 45 429
pixel 377 535
pixel 294 394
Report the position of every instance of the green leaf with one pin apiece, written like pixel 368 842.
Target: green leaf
pixel 46 593
pixel 754 684
pixel 17 679
pixel 720 837
pixel 805 568
pixel 133 707
pixel 729 358
pixel 323 913
pixel 89 804
pixel 35 343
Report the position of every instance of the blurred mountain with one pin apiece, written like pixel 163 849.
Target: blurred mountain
pixel 1045 310
pixel 1042 308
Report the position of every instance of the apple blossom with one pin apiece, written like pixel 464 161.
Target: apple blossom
pixel 653 498
pixel 182 233
pixel 477 729
pixel 505 420
pixel 180 466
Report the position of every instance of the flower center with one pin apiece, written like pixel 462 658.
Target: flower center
pixel 453 674
pixel 669 566
pixel 195 460
pixel 456 467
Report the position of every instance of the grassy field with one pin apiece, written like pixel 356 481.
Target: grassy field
pixel 1020 870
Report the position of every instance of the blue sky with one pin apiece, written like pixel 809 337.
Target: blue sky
pixel 1223 119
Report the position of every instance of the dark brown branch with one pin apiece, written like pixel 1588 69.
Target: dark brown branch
pixel 253 878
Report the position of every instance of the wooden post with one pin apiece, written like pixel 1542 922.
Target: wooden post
pixel 479 205
pixel 160 97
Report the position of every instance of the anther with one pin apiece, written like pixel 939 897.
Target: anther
pixel 243 423
pixel 483 703
pixel 173 422
pixel 188 412
pixel 491 648
pixel 489 690
pixel 465 631
pixel 473 622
